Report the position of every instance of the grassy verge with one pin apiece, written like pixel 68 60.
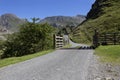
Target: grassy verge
pixel 109 54
pixel 13 60
pixel 67 46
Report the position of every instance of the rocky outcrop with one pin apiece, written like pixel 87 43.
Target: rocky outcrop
pixel 10 22
pixel 97 8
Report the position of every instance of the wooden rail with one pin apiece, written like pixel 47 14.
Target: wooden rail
pixel 110 38
pixel 58 41
pixel 106 39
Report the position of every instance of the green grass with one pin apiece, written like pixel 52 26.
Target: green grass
pixel 13 60
pixel 67 46
pixel 109 54
pixel 108 21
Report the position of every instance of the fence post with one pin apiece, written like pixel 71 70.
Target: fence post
pixel 105 40
pixel 114 37
pixel 54 41
pixel 95 39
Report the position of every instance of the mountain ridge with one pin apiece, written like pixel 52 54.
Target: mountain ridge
pixel 10 22
pixel 62 21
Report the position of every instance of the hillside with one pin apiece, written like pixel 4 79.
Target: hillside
pixel 10 22
pixel 103 16
pixel 62 21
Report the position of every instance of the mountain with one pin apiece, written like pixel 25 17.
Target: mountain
pixel 10 22
pixel 104 16
pixel 62 21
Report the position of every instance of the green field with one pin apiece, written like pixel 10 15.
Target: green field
pixel 109 54
pixel 13 60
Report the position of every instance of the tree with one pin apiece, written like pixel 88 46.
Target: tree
pixel 34 20
pixel 31 38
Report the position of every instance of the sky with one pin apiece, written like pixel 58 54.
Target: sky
pixel 44 8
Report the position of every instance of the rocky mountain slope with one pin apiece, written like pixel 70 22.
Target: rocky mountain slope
pixel 10 22
pixel 104 16
pixel 62 21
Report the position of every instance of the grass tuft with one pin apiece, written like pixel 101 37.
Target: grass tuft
pixel 67 46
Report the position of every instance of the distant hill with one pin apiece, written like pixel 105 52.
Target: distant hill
pixel 10 22
pixel 62 21
pixel 104 16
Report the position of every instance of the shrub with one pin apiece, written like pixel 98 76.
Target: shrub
pixel 31 38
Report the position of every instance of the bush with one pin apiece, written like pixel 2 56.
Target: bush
pixel 31 38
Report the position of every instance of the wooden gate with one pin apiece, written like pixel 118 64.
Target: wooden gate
pixel 58 41
pixel 109 39
pixel 106 39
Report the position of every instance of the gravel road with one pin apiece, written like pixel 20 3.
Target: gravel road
pixel 58 65
pixel 65 64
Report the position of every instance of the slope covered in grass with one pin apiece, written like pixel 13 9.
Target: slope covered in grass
pixel 104 16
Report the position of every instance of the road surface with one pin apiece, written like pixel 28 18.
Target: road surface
pixel 58 65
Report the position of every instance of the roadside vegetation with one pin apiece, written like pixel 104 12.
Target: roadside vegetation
pixel 109 53
pixel 32 37
pixel 32 40
pixel 67 46
pixel 13 60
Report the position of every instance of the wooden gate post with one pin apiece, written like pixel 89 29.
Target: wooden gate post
pixel 54 43
pixel 95 39
pixel 114 37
